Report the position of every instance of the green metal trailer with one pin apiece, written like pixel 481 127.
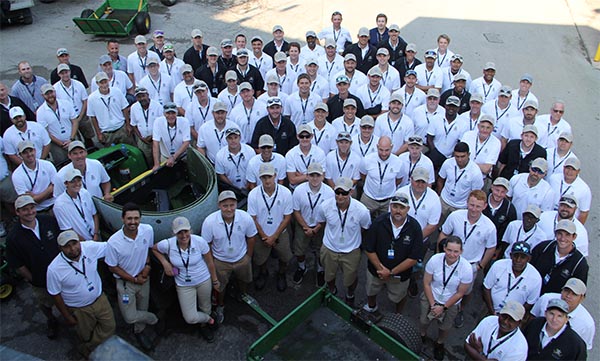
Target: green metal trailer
pixel 115 18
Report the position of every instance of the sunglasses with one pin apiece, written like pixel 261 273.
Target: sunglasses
pixel 304 136
pixel 340 192
pixel 521 248
pixel 400 199
pixel 538 170
pixel 273 101
pixel 415 139
pixel 558 111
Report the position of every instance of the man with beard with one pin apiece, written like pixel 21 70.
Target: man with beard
pixel 25 130
pixel 459 91
pixel 183 93
pixel 499 208
pixel 444 134
pixel 7 102
pixel 570 182
pixel 137 62
pixel 487 85
pixel 248 72
pixel 567 207
pixel 34 177
pixel 394 124
pixel 429 76
pixel 159 85
pixel 170 137
pixel 28 86
pixel 171 65
pixel 279 127
pixel 515 125
pixel 531 188
pixel 116 78
pixel 311 49
pixel 413 96
pixel 474 114
pixel 143 114
pixel 451 71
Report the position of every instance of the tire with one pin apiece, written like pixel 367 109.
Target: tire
pixel 86 13
pixel 27 17
pixel 168 2
pixel 142 23
pixel 7 289
pixel 400 329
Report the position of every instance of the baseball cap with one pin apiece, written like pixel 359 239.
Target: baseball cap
pixel 277 28
pixel 304 128
pixel 530 128
pixel 490 65
pixel 311 61
pixel 152 60
pixel 521 247
pixel 343 136
pixel 540 163
pixel 62 51
pixel 430 54
pixel 266 169
pixel 533 210
pixel 186 68
pixel 457 57
pixel 342 79
pixel 566 136
pixel 242 52
pixel 101 76
pixel 256 38
pixel 265 140
pixel 453 100
pixel 558 304
pixel 315 167
pixel 349 57
pixel 219 107
pixel 180 224
pixel 505 90
pixel 322 106
pixel 531 103
pixel 197 33
pixel 514 309
pixel 344 184
pixel 528 77
pixel 411 47
pixel 212 51
pixel 573 162
pixel 460 76
pixel 367 120
pixel 383 51
pixel 158 33
pixel 310 33
pixel 476 97
pixel 415 139
pixel 72 174
pixel 65 237
pixel 170 107
pixel 226 42
pixel 140 90
pixel 280 56
pixel 104 59
pixel 62 67
pixel 501 181
pixel 168 47
pixel 330 43
pixel 375 71
pixel 24 200
pixel 433 92
pixel 199 85
pixel 231 131
pixel 349 102
pixel 46 88
pixel 226 195
pixel 272 101
pixel 569 200
pixel 576 285
pixel 400 198
pixel 244 86
pixel 272 79
pixel 396 97
pixel 363 31
pixel 140 39
pixel 487 118
pixel 566 225
pixel 75 144
pixel 230 75
pixel 25 144
pixel 420 174
pixel 394 27
pixel 411 72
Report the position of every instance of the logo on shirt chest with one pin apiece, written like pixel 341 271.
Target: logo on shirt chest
pixel 565 273
pixel 406 240
pixel 283 135
pixel 50 235
pixel 557 353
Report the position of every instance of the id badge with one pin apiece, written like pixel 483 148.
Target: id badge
pixel 63 131
pixel 515 172
pixel 90 286
pixel 125 299
pixel 230 249
pixel 269 220
pixel 215 90
pixel 238 179
pixel 188 278
pixel 390 254
pixel 172 151
pixel 311 220
pixel 546 278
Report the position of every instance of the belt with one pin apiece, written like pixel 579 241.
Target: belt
pixel 112 131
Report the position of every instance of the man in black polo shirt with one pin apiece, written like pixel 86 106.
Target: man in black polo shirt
pixel 31 246
pixel 394 244
pixel 277 126
pixel 196 54
pixel 518 154
pixel 499 208
pixel 336 102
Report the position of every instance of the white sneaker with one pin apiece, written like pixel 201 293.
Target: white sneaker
pixel 2 229
pixel 369 309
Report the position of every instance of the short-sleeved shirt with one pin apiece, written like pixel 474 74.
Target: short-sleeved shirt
pixel 341 126
pixel 78 282
pixel 515 233
pixel 510 347
pixel 504 286
pixel 183 94
pixel 278 162
pixel 36 133
pixel 138 65
pixel 301 111
pixel 501 116
pixel 446 134
pixel 346 238
pixel 399 130
pixel 170 138
pixel 578 188
pixel 341 36
pixel 198 115
pixel 488 91
pixel 307 202
pixel 556 162
pixel 542 194
pixel 297 161
pixel 35 181
pixel 476 237
pixel 362 148
pixel 336 168
pixel 372 98
pixel 456 274
pixel 95 175
pixel 459 182
pixel 357 80
pixel 213 139
pixel 270 210
pixel 553 130
pixel 286 81
pixel 318 87
pixel 197 270
pixel 448 82
pixel 325 137
pixel 234 166
pixel 159 90
pixel 514 128
pixel 547 224
pixel 485 152
pixel 412 101
pixel 119 80
pixel 228 241
pixel 173 70
pixel 427 209
pixel 127 253
pixel 76 214
pixel 75 94
pixel 329 69
pixel 433 77
pixel 381 175
pixel 58 123
pixel 422 118
pixel 108 109
pixel 144 119
pixel 408 167
pixel 246 118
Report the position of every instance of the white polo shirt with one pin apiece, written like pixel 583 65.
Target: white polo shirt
pixel 108 109
pixel 213 139
pixel 228 241
pixel 341 36
pixel 262 99
pixel 286 81
pixel 58 123
pixel 341 126
pixel 4 172
pixel 476 237
pixel 263 64
pixel 307 202
pixel 459 182
pixel 515 233
pixel 381 175
pixel 234 166
pixel 433 77
pixel 448 82
pixel 77 214
pixel 456 274
pixel 95 175
pixel 330 69
pixel 580 319
pixel 346 238
pixel 324 138
pixel 370 99
pixel 422 118
pixel 518 101
pixel 399 131
pixel 514 128
pixel 129 254
pixel 278 162
pixel 336 168
pixel 485 152
pixel 170 138
pixel 197 270
pixel 307 53
pixel 75 94
pixel 144 119
pixel 504 286
pixel 556 163
pixel 230 100
pixel 36 133
pixel 357 80
pixel 390 78
pixel 488 91
pixel 364 149
pixel 297 68
pixel 173 70
pixel 270 210
pixel 501 116
pixel 542 195
pixel 446 135
pixel 471 124
pixel 158 89
pixel 578 188
pixel 553 131
pixel 198 115
pixel 547 224
pixel 35 181
pixel 301 111
pixel 412 101
pixel 119 80
pixel 183 95
pixel 246 118
pixel 408 167
pixel 510 347
pixel 443 61
pixel 319 87
pixel 297 161
pixel 78 283
pixel 138 65
pixel 427 209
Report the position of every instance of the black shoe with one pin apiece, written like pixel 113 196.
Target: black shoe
pixel 423 340
pixel 261 281
pixel 299 275
pixel 281 282
pixel 350 301
pixel 438 351
pixel 143 341
pixel 320 279
pixel 52 330
pixel 161 326
pixel 413 288
pixel 207 333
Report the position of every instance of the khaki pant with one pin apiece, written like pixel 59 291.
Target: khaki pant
pixel 42 296
pixel 446 210
pixel 118 136
pixel 86 128
pixel 7 193
pixel 348 262
pixel 302 242
pixel 444 323
pixel 375 207
pixel 193 297
pixel 281 246
pixel 242 270
pixel 95 324
pixel 136 310
pixel 396 289
pixel 146 150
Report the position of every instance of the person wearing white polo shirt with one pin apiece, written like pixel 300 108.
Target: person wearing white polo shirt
pixel 364 142
pixel 285 78
pixel 231 234
pixel 183 93
pixel 514 127
pixel 356 78
pixel 270 206
pixel 555 123
pixel 272 84
pixel 457 178
pixel 478 234
pixel 487 85
pixel 573 293
pixel 107 109
pixel 311 49
pixel 172 65
pixel 324 134
pixel 455 67
pixel 428 113
pixel 265 155
pixel 294 64
pixel 75 209
pixel 471 118
pixel 24 130
pixel 569 182
pixel 501 109
pixel 344 219
pixel 212 133
pixel 525 230
pixel 262 61
pixel 74 282
pixel 512 279
pixel 342 162
pixel 230 94
pixel 247 113
pixel 231 162
pixel 531 188
pixel 34 177
pixel 60 122
pixel 348 122
pixel 307 198
pixel 159 85
pixel 425 204
pixel 318 84
pixel 301 156
pixel 413 159
pixel 374 95
pixel 170 137
pixel 413 96
pixel 485 147
pixel 381 174
pixel 557 153
pixel 341 36
pixel 143 114
pixel 394 124
pixel 499 337
pixel 331 64
pixel 301 104
pixel 117 79
pixel 567 206
pixel 444 134
pixel 390 77
pixel 128 258
pixel 137 62
pixel 429 76
pixel 200 110
pixel 523 94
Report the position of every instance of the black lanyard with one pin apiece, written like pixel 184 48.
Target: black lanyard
pixel 185 263
pixel 368 146
pixel 409 99
pixel 396 126
pixel 106 104
pixel 412 198
pixel 503 112
pixel 373 98
pixel 442 59
pixel 72 95
pixel 444 279
pixel 172 138
pixel 281 82
pixel 341 168
pixel 28 135
pixel 477 149
pixel 447 131
pixel 154 85
pixel 457 178
pixel 312 206
pixel 335 38
pixel 411 167
pixel 189 90
pixel 143 62
pixel 248 113
pixel 343 220
pixel 427 115
pixel 465 232
pixel 269 207
pixel 77 270
pixel 204 115
pixel 237 165
pixel 169 68
pixel 306 164
pixel 229 230
pixel 329 68
pixel 382 174
pixel 491 349
pixel 509 288
pixel 526 239
pixel 219 139
pixel 146 114
pixel 81 211
pixel 562 193
pixel 304 105
pixel 486 93
pixel 428 75
pixel 318 139
pixel 37 171
pixel 520 105
pixel 232 103
pixel 351 128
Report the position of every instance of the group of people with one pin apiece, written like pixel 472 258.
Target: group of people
pixel 340 148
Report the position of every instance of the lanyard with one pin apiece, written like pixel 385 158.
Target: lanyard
pixel 343 220
pixel 396 126
pixel 447 131
pixel 526 239
pixel 473 124
pixel 189 90
pixel 258 63
pixel 294 67
pixel 219 139
pixel 554 129
pixel 520 105
pixel 504 112
pixel 351 128
pixel 232 103
pixel 81 211
pixel 57 115
pixel 335 38
pixel 204 115
pixel 304 105
pixel 229 230
pixel 329 68
pixel 77 270
pixel 169 68
pixel 306 164
pixel 554 165
pixel 411 167
pixel 172 138
pixel 281 82
pixel 154 85
pixel 382 174
pixel 318 139
pixel 442 60
pixel 368 146
pixel 427 115
pixel 373 98
pixel 237 165
pixel 72 95
pixel 486 93
pixel 28 135
pixel 562 193
pixel 313 206
pixel 32 91
pixel 248 113
pixel 412 198
pixel 106 104
pixel 456 179
pixel 146 114
pixel 509 288
pixel 477 149
pixel 269 207
pixel 37 171
pixel 428 75
pixel 337 158
pixel 185 263
pixel 143 62
pixel 444 279
pixel 409 99
pixel 490 348
pixel 470 232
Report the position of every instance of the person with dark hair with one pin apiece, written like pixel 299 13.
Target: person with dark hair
pixel 380 32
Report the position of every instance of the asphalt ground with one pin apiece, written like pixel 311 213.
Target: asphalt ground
pixel 555 40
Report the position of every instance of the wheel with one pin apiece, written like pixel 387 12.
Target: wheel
pixel 86 13
pixel 142 23
pixel 168 2
pixel 6 290
pixel 27 17
pixel 402 331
